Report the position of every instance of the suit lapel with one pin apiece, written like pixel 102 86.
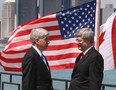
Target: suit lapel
pixel 47 64
pixel 39 58
pixel 76 64
pixel 78 61
pixel 83 59
pixel 86 55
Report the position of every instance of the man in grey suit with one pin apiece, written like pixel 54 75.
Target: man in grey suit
pixel 89 65
pixel 36 74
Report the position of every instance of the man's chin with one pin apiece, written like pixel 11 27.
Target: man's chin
pixel 79 48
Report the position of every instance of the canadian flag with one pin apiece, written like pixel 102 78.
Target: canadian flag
pixel 108 42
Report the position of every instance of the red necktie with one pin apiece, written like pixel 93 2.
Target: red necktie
pixel 81 56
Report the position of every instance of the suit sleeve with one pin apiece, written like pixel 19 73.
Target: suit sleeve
pixel 96 73
pixel 29 72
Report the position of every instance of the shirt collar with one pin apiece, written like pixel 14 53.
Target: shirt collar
pixel 87 50
pixel 38 51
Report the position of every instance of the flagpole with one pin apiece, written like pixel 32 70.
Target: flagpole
pixel 98 25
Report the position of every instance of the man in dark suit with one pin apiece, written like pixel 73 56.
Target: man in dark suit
pixel 36 73
pixel 88 70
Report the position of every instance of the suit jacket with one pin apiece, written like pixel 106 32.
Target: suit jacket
pixel 35 74
pixel 88 72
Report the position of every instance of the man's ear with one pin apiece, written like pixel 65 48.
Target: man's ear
pixel 36 41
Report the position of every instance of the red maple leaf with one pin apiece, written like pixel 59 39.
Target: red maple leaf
pixel 101 38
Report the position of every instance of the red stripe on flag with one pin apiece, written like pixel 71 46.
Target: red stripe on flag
pixel 58 37
pixel 21 43
pixel 52 28
pixel 21 33
pixel 25 32
pixel 41 20
pixel 63 56
pixel 11 69
pixel 14 51
pixel 60 47
pixel 64 66
pixel 15 60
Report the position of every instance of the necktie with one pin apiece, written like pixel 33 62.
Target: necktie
pixel 81 56
pixel 44 60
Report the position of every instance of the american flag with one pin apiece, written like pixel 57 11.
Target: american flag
pixel 62 26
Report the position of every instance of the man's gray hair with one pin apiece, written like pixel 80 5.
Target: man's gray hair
pixel 38 33
pixel 86 34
